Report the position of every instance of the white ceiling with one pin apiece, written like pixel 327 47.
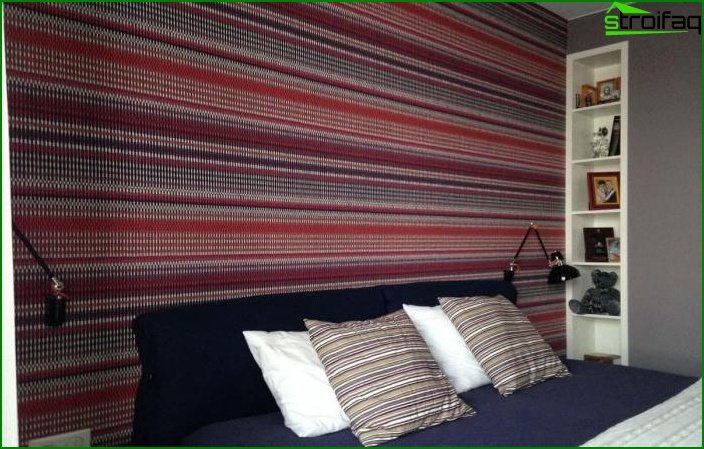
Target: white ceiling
pixel 574 10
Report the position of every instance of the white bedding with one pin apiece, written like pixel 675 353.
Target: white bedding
pixel 675 422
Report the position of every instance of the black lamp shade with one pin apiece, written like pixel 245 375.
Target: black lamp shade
pixel 508 275
pixel 54 310
pixel 562 273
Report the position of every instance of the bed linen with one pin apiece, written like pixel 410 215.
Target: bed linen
pixel 564 411
pixel 675 422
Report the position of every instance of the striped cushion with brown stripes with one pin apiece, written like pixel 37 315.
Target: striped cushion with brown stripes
pixel 384 376
pixel 505 343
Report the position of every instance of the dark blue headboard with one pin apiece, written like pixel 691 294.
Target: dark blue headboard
pixel 197 369
pixel 427 293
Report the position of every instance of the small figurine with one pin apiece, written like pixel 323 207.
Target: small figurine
pixel 602 299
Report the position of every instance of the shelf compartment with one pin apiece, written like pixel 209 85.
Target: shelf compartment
pixel 592 69
pixel 594 335
pixel 579 176
pixel 580 285
pixel 576 253
pixel 587 120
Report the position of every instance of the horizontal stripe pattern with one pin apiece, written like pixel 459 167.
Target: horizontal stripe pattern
pixel 384 377
pixel 503 340
pixel 164 154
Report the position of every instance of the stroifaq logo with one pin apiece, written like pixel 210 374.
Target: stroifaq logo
pixel 625 20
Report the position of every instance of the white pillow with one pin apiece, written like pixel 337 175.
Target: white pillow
pixel 297 380
pixel 448 347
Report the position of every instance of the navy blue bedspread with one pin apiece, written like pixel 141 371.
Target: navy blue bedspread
pixel 560 412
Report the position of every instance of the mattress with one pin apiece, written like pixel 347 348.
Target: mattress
pixel 560 412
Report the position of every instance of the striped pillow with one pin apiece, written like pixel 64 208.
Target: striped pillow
pixel 505 343
pixel 384 376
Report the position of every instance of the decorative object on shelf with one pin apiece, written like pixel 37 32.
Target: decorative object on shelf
pixel 559 270
pixel 602 299
pixel 604 190
pixel 55 299
pixel 595 246
pixel 588 96
pixel 613 247
pixel 600 357
pixel 600 142
pixel 615 142
pixel 608 90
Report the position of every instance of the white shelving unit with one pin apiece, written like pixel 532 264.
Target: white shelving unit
pixel 595 333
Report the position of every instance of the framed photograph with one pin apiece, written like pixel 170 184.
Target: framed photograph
pixel 604 190
pixel 613 247
pixel 595 249
pixel 608 90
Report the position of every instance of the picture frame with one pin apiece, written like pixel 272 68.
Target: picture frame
pixel 595 247
pixel 609 90
pixel 613 248
pixel 604 190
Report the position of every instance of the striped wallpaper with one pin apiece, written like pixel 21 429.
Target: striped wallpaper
pixel 175 153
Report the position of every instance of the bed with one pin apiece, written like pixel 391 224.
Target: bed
pixel 201 387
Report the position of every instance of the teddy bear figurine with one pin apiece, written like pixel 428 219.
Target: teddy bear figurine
pixel 603 298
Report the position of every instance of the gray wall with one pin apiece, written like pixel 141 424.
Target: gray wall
pixel 665 196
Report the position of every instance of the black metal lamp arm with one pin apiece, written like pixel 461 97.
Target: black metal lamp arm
pixel 37 257
pixel 55 302
pixel 532 227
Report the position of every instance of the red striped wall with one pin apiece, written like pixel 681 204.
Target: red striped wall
pixel 174 153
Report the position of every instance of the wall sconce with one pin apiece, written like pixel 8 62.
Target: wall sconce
pixel 559 272
pixel 55 300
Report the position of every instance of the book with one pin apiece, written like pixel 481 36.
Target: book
pixel 615 143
